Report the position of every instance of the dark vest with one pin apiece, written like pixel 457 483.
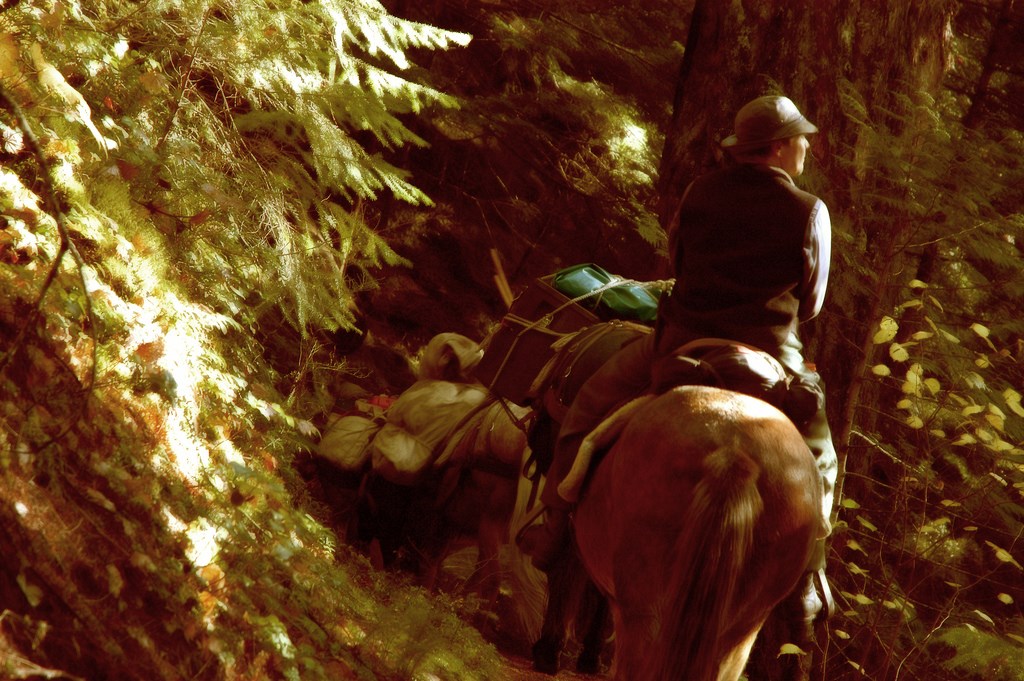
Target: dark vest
pixel 738 257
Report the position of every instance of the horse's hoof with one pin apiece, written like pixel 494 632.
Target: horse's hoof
pixel 545 667
pixel 545 657
pixel 588 664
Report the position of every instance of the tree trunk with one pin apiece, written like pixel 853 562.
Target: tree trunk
pixel 825 56
pixel 815 53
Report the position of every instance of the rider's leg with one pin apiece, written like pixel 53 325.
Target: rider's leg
pixel 624 376
pixel 816 432
pixel 793 619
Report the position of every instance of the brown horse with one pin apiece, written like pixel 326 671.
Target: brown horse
pixel 465 499
pixel 696 523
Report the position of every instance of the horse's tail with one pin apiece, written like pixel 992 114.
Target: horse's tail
pixel 710 557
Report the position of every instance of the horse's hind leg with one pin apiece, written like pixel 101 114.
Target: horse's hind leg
pixel 492 530
pixel 486 578
pixel 736 659
pixel 594 614
pixel 788 622
pixel 563 595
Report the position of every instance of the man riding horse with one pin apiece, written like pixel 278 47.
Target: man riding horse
pixel 751 257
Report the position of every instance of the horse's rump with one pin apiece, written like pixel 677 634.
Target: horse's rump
pixel 697 522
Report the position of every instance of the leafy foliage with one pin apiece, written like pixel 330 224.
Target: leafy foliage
pixel 149 503
pixel 260 176
pixel 941 445
pixel 982 655
pixel 551 157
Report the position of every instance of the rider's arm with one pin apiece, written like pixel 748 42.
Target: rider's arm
pixel 817 258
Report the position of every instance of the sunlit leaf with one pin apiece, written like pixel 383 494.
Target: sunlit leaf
pixel 980 329
pixel 114 580
pixel 863 599
pixel 790 649
pixel 307 428
pixel 103 501
pixel 849 503
pixel 972 410
pixel 1004 556
pixel 33 594
pixel 1013 401
pixel 974 380
pixel 866 523
pixel 917 283
pixel 898 352
pixel 933 385
pixel 950 337
pixel 881 370
pixel 983 616
pixel 143 562
pixel 275 632
pixel 854 545
pixel 839 633
pixel 922 335
pixel 998 444
pixel 914 421
pixel 887 330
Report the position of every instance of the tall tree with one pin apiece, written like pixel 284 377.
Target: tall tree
pixel 862 71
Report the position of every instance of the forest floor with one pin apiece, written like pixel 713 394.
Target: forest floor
pixel 521 669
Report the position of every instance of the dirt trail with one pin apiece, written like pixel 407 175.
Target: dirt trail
pixel 521 669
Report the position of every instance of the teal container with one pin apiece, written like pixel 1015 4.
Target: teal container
pixel 623 300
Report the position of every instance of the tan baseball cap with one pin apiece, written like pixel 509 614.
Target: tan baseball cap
pixel 767 119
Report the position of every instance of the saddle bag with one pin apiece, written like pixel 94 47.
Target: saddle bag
pixel 550 309
pixel 518 349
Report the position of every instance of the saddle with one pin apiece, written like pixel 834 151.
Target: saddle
pixel 710 362
pixel 742 368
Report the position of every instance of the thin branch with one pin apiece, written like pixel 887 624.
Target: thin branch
pixel 184 81
pixel 66 246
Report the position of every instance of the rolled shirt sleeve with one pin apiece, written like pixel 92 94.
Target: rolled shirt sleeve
pixel 817 259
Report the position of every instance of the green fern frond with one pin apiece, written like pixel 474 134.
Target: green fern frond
pixel 982 654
